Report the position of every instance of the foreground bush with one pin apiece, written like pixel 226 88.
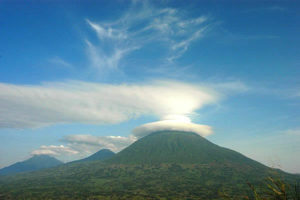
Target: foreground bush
pixel 274 189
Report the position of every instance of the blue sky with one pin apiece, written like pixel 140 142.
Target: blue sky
pixel 78 77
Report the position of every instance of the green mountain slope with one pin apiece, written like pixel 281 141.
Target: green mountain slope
pixel 163 165
pixel 32 164
pixel 103 154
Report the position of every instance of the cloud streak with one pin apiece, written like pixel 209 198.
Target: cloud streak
pixel 60 62
pixel 80 146
pixel 90 143
pixel 23 106
pixel 54 150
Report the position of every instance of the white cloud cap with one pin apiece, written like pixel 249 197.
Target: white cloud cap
pixel 172 125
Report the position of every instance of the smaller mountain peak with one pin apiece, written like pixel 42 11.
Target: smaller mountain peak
pixel 36 162
pixel 42 156
pixel 104 150
pixel 102 154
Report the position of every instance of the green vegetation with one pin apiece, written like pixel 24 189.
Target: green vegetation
pixel 166 165
pixel 95 180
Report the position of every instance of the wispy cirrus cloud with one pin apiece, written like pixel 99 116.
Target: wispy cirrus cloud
pixel 140 26
pixel 60 62
pixel 103 60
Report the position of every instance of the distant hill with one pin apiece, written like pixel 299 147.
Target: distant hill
pixel 32 164
pixel 162 165
pixel 103 154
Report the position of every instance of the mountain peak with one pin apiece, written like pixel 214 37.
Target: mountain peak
pixel 177 147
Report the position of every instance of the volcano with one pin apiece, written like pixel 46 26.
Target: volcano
pixel 180 148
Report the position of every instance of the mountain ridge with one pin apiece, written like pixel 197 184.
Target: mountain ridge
pixel 162 165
